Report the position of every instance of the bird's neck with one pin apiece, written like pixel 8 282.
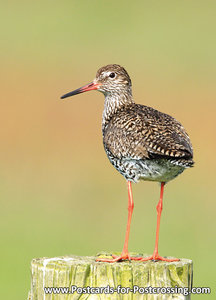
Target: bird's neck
pixel 115 102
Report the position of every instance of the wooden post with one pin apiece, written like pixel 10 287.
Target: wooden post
pixel 129 278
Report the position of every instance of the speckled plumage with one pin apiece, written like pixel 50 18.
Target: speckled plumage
pixel 141 142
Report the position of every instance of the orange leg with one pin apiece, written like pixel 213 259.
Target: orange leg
pixel 159 208
pixel 125 254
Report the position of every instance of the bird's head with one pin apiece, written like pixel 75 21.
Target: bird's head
pixel 111 79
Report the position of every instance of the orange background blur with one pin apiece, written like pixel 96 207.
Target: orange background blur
pixel 59 193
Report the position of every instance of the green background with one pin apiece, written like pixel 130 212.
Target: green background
pixel 59 193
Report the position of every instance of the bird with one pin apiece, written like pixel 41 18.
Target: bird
pixel 141 142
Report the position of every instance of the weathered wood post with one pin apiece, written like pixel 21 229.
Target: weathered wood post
pixel 76 277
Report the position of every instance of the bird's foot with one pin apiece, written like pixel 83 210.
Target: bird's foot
pixel 126 256
pixel 157 257
pixel 118 258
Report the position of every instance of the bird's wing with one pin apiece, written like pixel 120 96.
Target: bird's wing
pixel 143 132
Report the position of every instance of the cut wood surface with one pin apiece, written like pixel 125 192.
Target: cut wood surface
pixel 81 277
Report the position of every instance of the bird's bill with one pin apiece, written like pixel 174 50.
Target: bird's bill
pixel 89 87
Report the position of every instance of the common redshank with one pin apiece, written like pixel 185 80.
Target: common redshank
pixel 140 142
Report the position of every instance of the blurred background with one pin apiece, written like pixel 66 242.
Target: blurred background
pixel 59 193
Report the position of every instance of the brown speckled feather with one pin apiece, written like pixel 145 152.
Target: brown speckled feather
pixel 142 132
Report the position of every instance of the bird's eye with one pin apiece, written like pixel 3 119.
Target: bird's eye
pixel 112 75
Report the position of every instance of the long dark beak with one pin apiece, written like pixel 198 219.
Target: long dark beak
pixel 89 87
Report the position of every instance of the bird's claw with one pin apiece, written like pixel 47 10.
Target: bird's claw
pixel 116 258
pixel 126 256
pixel 157 257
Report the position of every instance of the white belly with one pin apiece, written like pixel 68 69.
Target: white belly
pixel 159 170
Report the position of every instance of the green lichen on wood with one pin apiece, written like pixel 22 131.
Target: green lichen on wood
pixel 82 272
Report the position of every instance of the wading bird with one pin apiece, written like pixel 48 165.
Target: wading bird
pixel 140 142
